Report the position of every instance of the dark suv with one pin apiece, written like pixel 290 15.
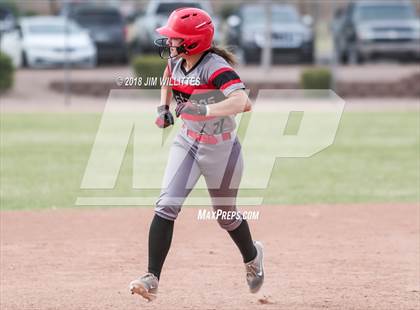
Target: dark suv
pixel 106 27
pixel 368 29
pixel 291 36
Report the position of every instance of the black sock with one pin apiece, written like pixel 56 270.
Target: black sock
pixel 243 239
pixel 160 237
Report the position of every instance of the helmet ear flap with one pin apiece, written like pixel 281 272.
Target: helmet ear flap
pixel 191 46
pixel 181 49
pixel 185 49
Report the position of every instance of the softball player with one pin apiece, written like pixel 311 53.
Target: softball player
pixel 208 95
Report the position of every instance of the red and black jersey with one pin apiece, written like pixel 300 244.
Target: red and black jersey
pixel 210 81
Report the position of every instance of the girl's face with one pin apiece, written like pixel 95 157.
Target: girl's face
pixel 174 43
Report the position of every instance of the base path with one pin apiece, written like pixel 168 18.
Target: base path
pixel 335 257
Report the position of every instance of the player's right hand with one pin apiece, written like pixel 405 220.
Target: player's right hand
pixel 165 117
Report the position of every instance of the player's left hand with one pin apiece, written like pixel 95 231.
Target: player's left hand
pixel 191 108
pixel 165 118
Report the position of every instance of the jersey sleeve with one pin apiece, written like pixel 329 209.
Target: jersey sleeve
pixel 223 77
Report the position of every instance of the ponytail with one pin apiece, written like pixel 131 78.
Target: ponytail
pixel 224 53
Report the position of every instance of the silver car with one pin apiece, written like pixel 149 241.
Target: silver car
pixel 369 29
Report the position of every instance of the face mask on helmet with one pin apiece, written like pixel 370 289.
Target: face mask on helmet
pixel 165 48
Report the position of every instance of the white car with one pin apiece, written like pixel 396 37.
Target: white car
pixel 10 45
pixel 54 40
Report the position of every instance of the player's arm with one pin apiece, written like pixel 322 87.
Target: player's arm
pixel 229 83
pixel 165 117
pixel 165 90
pixel 236 102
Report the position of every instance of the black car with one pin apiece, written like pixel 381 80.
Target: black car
pixel 291 35
pixel 106 26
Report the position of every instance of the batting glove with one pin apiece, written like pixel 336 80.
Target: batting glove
pixel 165 117
pixel 190 108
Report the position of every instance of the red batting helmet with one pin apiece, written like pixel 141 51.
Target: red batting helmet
pixel 192 25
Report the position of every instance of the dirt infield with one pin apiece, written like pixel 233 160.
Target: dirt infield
pixel 335 257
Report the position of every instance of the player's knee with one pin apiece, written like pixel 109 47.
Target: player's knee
pixel 228 217
pixel 168 208
pixel 229 224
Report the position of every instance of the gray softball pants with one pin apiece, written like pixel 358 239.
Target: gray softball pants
pixel 220 164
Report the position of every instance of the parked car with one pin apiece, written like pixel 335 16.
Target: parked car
pixel 367 29
pixel 131 29
pixel 107 28
pixel 7 19
pixel 53 40
pixel 291 35
pixel 9 37
pixel 155 16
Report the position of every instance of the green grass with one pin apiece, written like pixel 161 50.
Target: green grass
pixel 374 159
